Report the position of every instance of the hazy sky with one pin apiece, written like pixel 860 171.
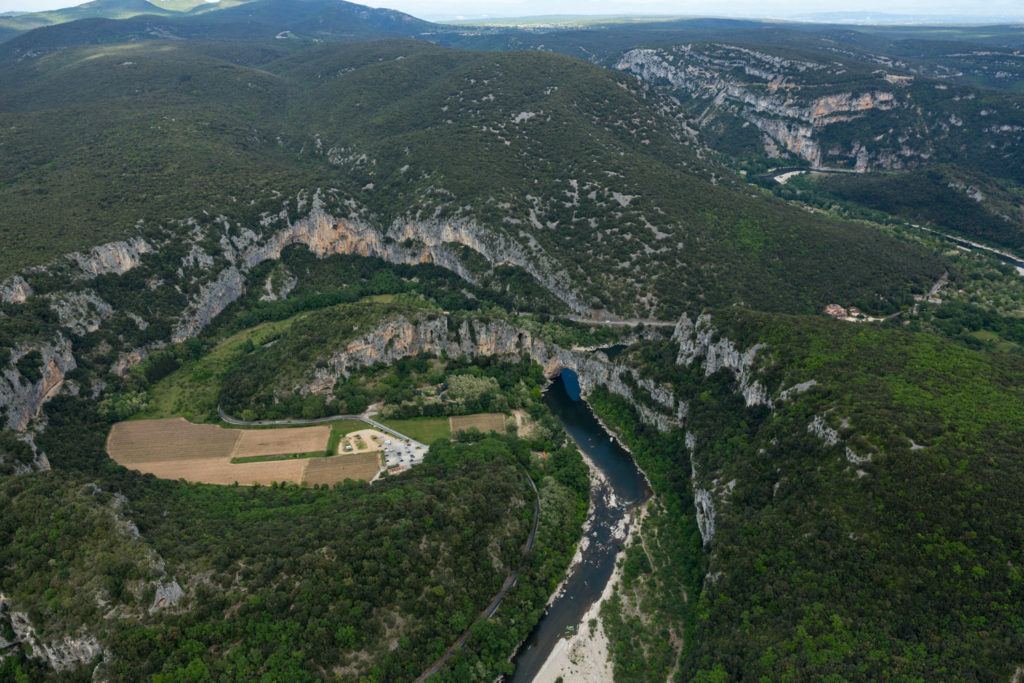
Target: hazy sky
pixel 448 9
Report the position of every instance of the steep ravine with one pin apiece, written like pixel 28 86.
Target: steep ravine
pixel 218 275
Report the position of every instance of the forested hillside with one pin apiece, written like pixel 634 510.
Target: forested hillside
pixel 860 517
pixel 392 136
pixel 299 210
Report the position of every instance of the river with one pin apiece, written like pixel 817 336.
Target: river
pixel 624 487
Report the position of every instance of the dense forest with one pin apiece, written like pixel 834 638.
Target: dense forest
pixel 203 207
pixel 900 560
pixel 270 588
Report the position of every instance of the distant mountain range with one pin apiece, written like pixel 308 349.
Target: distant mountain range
pixel 227 20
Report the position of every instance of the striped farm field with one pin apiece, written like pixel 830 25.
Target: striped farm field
pixel 177 449
pixel 485 422
pixel 358 466
pixel 278 441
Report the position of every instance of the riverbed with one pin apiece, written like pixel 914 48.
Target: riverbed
pixel 617 488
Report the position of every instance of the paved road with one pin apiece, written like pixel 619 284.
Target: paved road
pixel 319 420
pixel 496 602
pixel 633 322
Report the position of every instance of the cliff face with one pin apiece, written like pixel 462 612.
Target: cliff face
pixel 113 257
pixel 795 104
pixel 699 339
pixel 218 258
pixel 401 337
pixel 21 399
pixel 324 234
pixel 81 312
pixel 63 654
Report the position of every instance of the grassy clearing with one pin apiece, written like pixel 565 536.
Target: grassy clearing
pixel 380 298
pixel 191 390
pixel 340 428
pixel 423 429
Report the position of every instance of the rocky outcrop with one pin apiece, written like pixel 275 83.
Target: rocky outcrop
pixel 128 360
pixel 282 291
pixel 400 337
pixel 64 654
pixel 167 595
pixel 81 312
pixel 701 340
pixel 14 290
pixel 819 427
pixel 705 508
pixel 113 257
pixel 21 399
pixel 214 298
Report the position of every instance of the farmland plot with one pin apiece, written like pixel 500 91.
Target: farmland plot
pixel 485 422
pixel 177 449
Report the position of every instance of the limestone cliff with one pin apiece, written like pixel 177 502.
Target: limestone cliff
pixel 792 102
pixel 439 334
pixel 406 241
pixel 62 654
pixel 699 339
pixel 22 399
pixel 219 257
pixel 81 311
pixel 113 257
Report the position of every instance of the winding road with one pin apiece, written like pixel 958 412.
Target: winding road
pixel 318 420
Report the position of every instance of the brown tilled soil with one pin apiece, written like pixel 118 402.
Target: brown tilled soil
pixel 485 422
pixel 222 471
pixel 175 439
pixel 177 449
pixel 362 466
pixel 281 441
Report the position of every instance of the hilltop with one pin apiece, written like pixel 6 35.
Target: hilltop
pixel 394 135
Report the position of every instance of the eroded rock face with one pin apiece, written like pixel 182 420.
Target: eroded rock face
pixel 214 298
pixel 401 337
pixel 14 290
pixel 408 241
pixel 699 339
pixel 82 311
pixel 782 99
pixel 113 257
pixel 64 654
pixel 167 595
pixel 220 257
pixel 21 399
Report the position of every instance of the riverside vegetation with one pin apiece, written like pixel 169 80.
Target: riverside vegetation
pixel 831 499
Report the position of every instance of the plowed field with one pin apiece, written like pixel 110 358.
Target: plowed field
pixel 362 466
pixel 177 449
pixel 485 422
